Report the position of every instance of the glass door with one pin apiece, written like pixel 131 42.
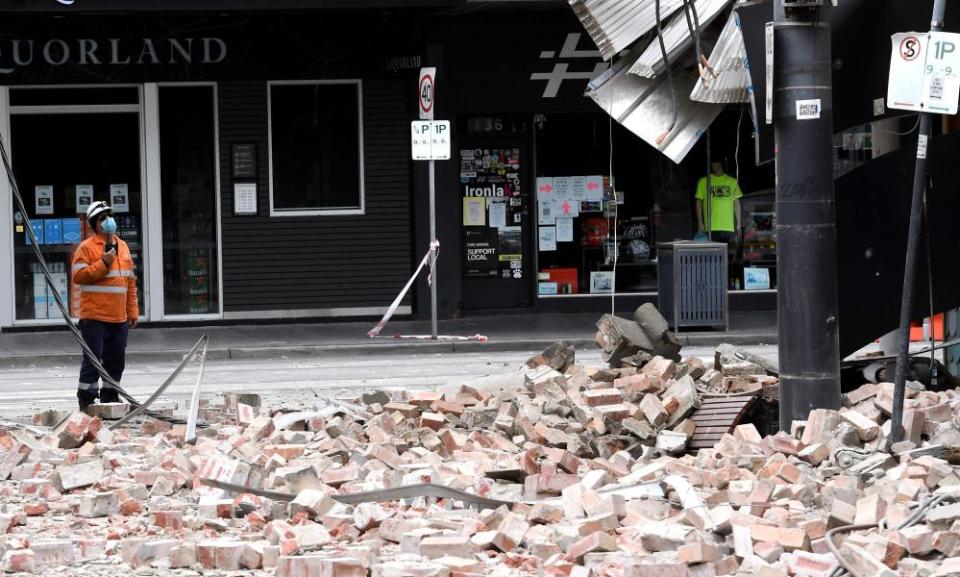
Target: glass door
pixel 188 181
pixel 71 147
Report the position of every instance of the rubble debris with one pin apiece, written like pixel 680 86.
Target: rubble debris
pixel 578 471
pixel 634 341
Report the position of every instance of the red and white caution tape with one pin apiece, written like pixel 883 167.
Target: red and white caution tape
pixel 375 331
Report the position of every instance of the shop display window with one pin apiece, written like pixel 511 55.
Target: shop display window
pixel 315 147
pixel 188 179
pixel 582 228
pixel 759 249
pixel 63 162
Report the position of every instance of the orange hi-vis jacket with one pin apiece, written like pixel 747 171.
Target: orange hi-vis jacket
pixel 106 295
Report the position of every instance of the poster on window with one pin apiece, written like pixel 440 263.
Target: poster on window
pixel 119 198
pixel 594 186
pixel 548 238
pixel 44 199
pixel 578 188
pixel 498 213
pixel 84 194
pixel 544 188
pixel 474 212
pixel 546 212
pixel 481 248
pixel 564 229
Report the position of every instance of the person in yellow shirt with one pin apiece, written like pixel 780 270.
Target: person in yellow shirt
pixel 725 195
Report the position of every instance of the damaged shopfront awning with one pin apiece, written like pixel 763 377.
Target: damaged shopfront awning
pixel 637 93
pixel 645 107
pixel 616 24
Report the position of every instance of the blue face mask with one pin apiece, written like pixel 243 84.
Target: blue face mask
pixel 108 226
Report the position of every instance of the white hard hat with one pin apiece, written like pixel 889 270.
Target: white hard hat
pixel 96 209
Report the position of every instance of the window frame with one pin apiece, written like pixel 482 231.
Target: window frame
pixel 335 211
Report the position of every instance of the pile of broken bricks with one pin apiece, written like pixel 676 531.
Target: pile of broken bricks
pixel 579 472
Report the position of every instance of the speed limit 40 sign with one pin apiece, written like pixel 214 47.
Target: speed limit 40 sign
pixel 426 96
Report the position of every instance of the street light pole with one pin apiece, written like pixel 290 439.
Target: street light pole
pixel 805 207
pixel 913 247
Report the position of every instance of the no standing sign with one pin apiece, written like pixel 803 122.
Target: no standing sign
pixel 925 72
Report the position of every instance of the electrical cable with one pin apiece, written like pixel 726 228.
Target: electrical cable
pixel 704 68
pixel 107 379
pixel 736 154
pixel 673 89
pixel 916 125
pixel 613 189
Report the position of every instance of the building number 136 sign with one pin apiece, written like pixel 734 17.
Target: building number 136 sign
pixel 925 72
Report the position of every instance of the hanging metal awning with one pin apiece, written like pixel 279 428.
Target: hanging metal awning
pixel 616 24
pixel 729 61
pixel 637 94
pixel 676 37
pixel 645 106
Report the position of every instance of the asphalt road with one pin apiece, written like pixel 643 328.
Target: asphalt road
pixel 285 381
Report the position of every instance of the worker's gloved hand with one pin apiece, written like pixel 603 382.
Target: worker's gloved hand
pixel 700 237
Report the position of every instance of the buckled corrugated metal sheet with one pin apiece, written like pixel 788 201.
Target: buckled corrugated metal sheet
pixel 729 62
pixel 616 24
pixel 676 36
pixel 645 107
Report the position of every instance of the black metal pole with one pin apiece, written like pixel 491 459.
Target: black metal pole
pixel 913 247
pixel 806 218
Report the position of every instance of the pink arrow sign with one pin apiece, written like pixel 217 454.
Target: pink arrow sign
pixel 592 185
pixel 566 208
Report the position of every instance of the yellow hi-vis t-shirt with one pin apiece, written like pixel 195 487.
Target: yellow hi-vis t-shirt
pixel 725 192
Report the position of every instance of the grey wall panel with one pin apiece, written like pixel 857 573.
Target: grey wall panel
pixel 318 261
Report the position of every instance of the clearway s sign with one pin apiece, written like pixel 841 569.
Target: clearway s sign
pixel 925 72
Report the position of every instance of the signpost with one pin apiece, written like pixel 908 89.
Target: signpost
pixel 430 140
pixel 939 88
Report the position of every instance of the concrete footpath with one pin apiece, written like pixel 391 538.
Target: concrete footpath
pixel 519 332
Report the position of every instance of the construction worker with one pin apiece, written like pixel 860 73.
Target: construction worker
pixel 103 269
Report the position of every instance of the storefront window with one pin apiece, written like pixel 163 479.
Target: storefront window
pixel 188 180
pixel 315 148
pixel 63 161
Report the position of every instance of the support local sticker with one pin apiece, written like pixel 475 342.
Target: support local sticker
pixel 808 109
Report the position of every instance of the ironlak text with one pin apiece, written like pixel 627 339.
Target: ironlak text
pixel 113 51
pixel 475 191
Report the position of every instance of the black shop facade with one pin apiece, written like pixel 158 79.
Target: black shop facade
pixel 259 160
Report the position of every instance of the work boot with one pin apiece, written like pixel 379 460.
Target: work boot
pixel 109 395
pixel 86 398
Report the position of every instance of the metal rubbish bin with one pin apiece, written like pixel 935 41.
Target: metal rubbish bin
pixel 692 284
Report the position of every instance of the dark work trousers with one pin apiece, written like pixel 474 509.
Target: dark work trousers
pixel 108 341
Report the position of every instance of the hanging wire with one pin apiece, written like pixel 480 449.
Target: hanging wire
pixel 673 89
pixel 736 154
pixel 703 65
pixel 915 126
pixel 613 189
